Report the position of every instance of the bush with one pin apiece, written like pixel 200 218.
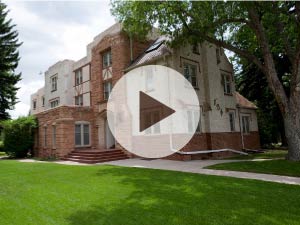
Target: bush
pixel 1 146
pixel 18 136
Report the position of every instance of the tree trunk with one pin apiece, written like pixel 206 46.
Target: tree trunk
pixel 292 129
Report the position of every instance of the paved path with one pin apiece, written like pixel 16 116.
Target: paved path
pixel 194 166
pixel 197 166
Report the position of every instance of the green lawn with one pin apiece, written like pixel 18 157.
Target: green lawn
pixel 48 193
pixel 269 154
pixel 278 167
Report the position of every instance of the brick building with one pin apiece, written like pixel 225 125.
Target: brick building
pixel 71 108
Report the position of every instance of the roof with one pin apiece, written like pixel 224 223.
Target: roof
pixel 244 102
pixel 156 50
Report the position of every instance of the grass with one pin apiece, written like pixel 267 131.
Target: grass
pixel 269 154
pixel 278 167
pixel 48 193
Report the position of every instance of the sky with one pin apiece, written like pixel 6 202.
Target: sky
pixel 52 31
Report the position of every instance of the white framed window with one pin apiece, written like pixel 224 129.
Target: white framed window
pixel 190 73
pixel 78 77
pixel 82 134
pixel 107 87
pixel 54 83
pixel 53 136
pixel 79 100
pixel 246 124
pixel 232 121
pixel 226 78
pixel 150 117
pixel 192 116
pixel 107 59
pixel 34 104
pixel 54 103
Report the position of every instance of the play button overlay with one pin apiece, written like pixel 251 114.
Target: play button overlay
pixel 147 102
pixel 153 111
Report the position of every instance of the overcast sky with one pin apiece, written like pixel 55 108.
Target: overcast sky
pixel 52 31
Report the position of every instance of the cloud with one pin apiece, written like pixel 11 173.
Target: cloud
pixel 52 31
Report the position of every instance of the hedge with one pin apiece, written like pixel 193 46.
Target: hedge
pixel 18 136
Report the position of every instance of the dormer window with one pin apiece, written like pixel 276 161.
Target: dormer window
pixel 78 77
pixel 54 83
pixel 106 58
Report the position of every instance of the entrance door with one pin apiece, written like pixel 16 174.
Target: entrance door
pixel 109 138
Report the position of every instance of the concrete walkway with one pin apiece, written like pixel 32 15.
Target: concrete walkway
pixel 197 166
pixel 194 166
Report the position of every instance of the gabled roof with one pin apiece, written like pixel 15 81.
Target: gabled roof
pixel 153 52
pixel 244 102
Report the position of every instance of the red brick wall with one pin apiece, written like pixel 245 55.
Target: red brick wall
pixel 63 118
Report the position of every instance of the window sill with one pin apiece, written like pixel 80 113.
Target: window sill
pixel 227 94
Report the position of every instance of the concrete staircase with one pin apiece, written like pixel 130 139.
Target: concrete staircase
pixel 95 156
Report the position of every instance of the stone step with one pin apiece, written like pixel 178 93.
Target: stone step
pixel 92 161
pixel 94 156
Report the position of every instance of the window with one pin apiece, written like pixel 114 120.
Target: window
pixel 246 124
pixel 78 77
pixel 54 103
pixel 107 86
pixel 192 121
pixel 54 83
pixel 53 136
pixel 106 58
pixel 231 121
pixel 43 101
pixel 79 100
pixel 150 117
pixel 227 84
pixel 82 134
pixel 190 73
pixel 45 136
pixel 34 104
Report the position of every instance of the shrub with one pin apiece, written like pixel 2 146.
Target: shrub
pixel 18 136
pixel 1 146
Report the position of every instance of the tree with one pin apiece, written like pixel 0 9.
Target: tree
pixel 9 58
pixel 252 84
pixel 245 28
pixel 22 130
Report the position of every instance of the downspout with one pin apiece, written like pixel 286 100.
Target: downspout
pixel 241 131
pixel 131 46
